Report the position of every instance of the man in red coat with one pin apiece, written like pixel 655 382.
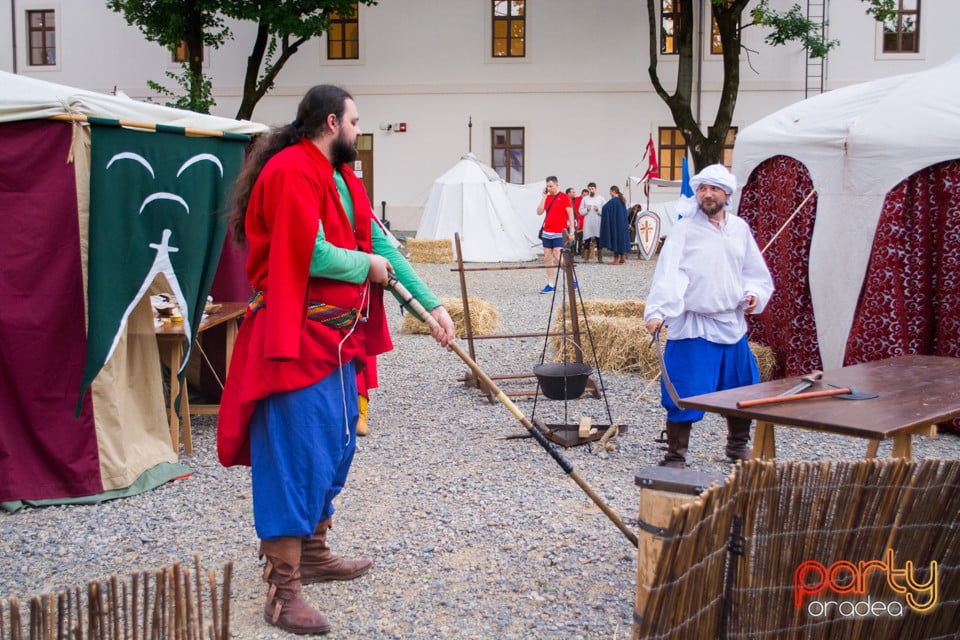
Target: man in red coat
pixel 289 406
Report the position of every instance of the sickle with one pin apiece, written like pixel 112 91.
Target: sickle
pixel 424 316
pixel 671 390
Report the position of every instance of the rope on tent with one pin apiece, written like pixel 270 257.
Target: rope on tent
pixel 797 210
pixel 147 126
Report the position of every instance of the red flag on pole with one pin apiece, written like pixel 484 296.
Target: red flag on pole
pixel 653 169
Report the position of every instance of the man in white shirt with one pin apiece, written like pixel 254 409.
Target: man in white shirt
pixel 590 206
pixel 709 275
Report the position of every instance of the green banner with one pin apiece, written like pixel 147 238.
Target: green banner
pixel 158 204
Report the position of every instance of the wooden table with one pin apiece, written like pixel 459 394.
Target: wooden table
pixel 915 393
pixel 172 334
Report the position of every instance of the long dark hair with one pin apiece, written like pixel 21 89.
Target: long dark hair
pixel 616 191
pixel 318 103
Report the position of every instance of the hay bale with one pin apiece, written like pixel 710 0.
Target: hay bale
pixel 622 343
pixel 610 308
pixel 430 251
pixel 618 334
pixel 766 361
pixel 484 317
pixel 616 343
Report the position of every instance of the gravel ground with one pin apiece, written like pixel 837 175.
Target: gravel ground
pixel 473 536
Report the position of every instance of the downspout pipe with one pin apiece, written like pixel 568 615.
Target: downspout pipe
pixel 13 31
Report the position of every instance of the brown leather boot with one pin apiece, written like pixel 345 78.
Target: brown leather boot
pixel 318 564
pixel 738 435
pixel 285 607
pixel 678 439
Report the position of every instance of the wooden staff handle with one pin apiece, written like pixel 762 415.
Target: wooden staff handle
pixel 797 396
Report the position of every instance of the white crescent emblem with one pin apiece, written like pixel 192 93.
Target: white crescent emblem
pixel 129 155
pixel 163 195
pixel 198 158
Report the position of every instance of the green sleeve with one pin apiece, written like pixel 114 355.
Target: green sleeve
pixel 335 263
pixel 405 273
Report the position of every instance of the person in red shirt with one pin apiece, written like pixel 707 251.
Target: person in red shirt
pixel 289 408
pixel 558 217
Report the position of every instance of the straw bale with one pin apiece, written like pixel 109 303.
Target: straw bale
pixel 484 317
pixel 430 251
pixel 610 308
pixel 616 343
pixel 622 343
pixel 766 361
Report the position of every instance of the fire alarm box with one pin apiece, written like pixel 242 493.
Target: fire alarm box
pixel 402 127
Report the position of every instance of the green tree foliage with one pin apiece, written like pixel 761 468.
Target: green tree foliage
pixel 283 26
pixel 783 27
pixel 170 23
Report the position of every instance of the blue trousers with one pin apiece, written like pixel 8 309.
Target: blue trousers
pixel 301 447
pixel 697 366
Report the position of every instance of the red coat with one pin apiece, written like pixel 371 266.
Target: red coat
pixel 278 349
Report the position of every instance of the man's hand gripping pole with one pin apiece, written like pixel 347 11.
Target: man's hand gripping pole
pixel 425 316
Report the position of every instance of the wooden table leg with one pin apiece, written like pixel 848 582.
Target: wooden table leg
pixel 872 447
pixel 764 444
pixel 186 422
pixel 174 390
pixel 231 339
pixel 903 446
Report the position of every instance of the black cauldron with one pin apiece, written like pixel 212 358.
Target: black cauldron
pixel 563 380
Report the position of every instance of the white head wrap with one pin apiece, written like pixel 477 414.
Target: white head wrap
pixel 717 176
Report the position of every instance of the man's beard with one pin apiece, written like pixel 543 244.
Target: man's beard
pixel 342 152
pixel 712 208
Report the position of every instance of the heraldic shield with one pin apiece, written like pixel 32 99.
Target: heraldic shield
pixel 648 233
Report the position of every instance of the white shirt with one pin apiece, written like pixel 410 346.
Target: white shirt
pixel 591 218
pixel 703 277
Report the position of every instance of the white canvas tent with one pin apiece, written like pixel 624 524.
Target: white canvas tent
pixel 857 143
pixel 497 222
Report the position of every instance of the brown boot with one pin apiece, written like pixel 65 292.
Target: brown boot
pixel 599 254
pixel 285 607
pixel 320 565
pixel 738 435
pixel 678 439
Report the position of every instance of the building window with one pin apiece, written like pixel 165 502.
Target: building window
pixel 716 46
pixel 509 29
pixel 669 26
pixel 673 148
pixel 727 158
pixel 42 36
pixel 901 33
pixel 506 149
pixel 343 38
pixel 182 53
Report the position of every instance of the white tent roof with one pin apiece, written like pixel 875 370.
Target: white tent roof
pixel 472 200
pixel 25 98
pixel 857 143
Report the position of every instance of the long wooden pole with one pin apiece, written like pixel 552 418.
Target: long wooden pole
pixel 414 304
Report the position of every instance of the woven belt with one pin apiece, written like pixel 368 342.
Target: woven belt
pixel 326 314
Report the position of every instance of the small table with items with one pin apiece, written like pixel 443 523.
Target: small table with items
pixel 915 393
pixel 170 334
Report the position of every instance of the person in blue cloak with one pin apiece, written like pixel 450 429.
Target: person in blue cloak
pixel 615 226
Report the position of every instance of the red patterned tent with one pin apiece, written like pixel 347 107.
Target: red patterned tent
pixel 870 266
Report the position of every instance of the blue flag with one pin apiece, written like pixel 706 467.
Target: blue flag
pixel 685 189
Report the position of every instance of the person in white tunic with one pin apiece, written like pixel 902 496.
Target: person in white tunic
pixel 709 276
pixel 590 206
